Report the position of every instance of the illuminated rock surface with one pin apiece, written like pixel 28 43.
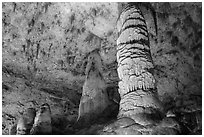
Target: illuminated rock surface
pixel 44 48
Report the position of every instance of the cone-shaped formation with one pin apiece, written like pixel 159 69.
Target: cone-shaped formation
pixel 94 98
pixel 42 123
pixel 25 122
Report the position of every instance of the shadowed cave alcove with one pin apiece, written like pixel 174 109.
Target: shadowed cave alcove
pixel 45 49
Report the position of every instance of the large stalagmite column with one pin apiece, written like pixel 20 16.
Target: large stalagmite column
pixel 137 86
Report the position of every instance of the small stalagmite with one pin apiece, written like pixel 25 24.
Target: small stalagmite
pixel 42 123
pixel 25 122
pixel 94 98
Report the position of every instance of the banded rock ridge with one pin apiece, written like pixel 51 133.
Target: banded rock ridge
pixel 140 109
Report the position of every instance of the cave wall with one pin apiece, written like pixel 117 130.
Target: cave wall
pixel 48 44
pixel 50 41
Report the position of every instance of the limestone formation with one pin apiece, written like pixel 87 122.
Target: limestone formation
pixel 42 123
pixel 94 98
pixel 25 122
pixel 137 86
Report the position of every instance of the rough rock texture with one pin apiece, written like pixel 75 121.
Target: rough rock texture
pixel 137 85
pixel 25 123
pixel 43 121
pixel 45 47
pixel 94 99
